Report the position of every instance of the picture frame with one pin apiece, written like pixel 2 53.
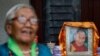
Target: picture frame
pixel 69 37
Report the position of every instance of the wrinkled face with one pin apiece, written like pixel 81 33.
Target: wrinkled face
pixel 80 38
pixel 24 32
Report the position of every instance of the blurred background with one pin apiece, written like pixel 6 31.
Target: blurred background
pixel 52 14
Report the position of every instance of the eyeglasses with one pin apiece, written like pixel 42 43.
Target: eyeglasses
pixel 23 20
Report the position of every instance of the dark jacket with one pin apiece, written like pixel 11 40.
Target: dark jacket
pixel 43 50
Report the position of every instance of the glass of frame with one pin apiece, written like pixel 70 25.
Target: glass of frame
pixel 78 39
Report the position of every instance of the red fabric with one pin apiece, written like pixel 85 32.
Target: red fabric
pixel 79 48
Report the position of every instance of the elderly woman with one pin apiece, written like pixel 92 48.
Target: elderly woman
pixel 21 26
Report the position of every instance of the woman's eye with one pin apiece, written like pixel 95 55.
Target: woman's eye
pixel 22 19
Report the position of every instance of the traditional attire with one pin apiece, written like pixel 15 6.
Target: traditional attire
pixel 12 49
pixel 75 48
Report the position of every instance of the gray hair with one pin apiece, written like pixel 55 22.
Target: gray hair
pixel 12 12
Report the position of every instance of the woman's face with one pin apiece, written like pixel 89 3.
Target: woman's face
pixel 24 32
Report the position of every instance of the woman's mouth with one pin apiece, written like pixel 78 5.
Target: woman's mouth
pixel 26 32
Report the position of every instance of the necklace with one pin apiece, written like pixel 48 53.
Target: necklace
pixel 26 52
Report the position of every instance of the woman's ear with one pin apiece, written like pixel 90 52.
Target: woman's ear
pixel 9 29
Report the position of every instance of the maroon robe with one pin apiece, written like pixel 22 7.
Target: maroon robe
pixel 79 48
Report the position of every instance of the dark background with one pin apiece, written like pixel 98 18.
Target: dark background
pixel 52 14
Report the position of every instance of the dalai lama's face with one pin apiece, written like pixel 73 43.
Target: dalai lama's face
pixel 24 26
pixel 80 38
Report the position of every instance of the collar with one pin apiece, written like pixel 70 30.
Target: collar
pixel 13 46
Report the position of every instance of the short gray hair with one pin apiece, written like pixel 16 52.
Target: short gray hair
pixel 12 12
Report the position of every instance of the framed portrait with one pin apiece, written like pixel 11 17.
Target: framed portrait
pixel 78 39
